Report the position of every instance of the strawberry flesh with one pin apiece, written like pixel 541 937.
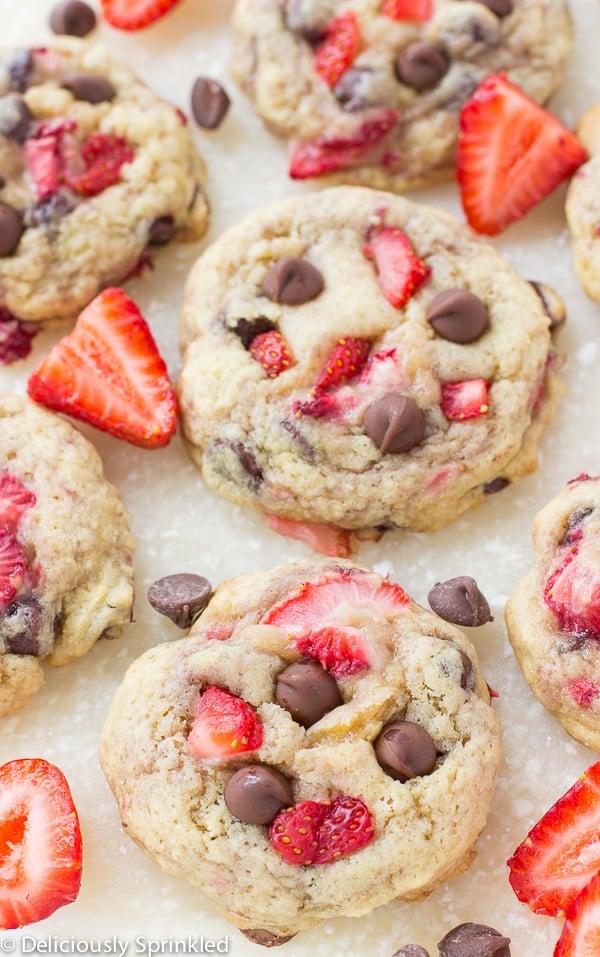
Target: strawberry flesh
pixel 416 10
pixel 272 351
pixel 320 832
pixel 224 725
pixel 322 155
pixel 561 853
pixel 345 361
pixel 134 14
pixel 108 372
pixel 13 566
pixel 326 539
pixel 338 48
pixel 15 500
pixel 399 270
pixel 511 154
pixel 102 156
pixel 40 842
pixel 581 931
pixel 465 400
pixel 572 590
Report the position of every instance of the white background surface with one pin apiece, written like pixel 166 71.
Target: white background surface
pixel 180 526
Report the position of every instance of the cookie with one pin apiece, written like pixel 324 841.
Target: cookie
pixel 96 168
pixel 66 575
pixel 583 207
pixel 553 616
pixel 352 358
pixel 334 749
pixel 371 95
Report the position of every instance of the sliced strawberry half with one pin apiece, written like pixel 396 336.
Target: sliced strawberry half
pixel 40 842
pixel 581 932
pixel 134 14
pixel 320 832
pixel 324 618
pixel 322 155
pixel 511 154
pixel 417 10
pixel 224 725
pixel 345 361
pixel 465 400
pixel 108 372
pixel 572 590
pixel 338 48
pixel 15 500
pixel 13 565
pixel 561 853
pixel 272 351
pixel 399 270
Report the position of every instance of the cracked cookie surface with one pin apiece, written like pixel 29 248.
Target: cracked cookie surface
pixel 583 206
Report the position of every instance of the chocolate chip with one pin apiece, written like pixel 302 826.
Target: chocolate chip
pixel 474 940
pixel 161 231
pixel 554 306
pixel 257 792
pixel 421 65
pixel 11 229
pixel 249 329
pixel 19 68
pixel 266 938
pixel 405 750
pixel 292 281
pixel 459 600
pixel 21 623
pixel 348 91
pixel 394 423
pixel 411 950
pixel 15 117
pixel 180 597
pixel 458 315
pixel 210 103
pixel 496 485
pixel 47 211
pixel 500 7
pixel 72 18
pixel 307 691
pixel 248 463
pixel 90 87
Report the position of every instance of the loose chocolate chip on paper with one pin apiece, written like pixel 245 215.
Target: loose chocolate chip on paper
pixel 474 940
pixel 458 315
pixel 11 229
pixel 180 597
pixel 394 423
pixel 411 950
pixel 292 281
pixel 421 65
pixel 459 600
pixel 210 103
pixel 90 88
pixel 72 18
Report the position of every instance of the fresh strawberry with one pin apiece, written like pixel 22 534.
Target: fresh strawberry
pixel 134 14
pixel 108 372
pixel 417 10
pixel 345 361
pixel 465 400
pixel 326 539
pixel 319 832
pixel 40 842
pixel 224 725
pixel 13 565
pixel 581 932
pixel 572 590
pixel 381 373
pixel 272 351
pixel 512 153
pixel 399 270
pixel 561 853
pixel 102 155
pixel 15 499
pixel 322 155
pixel 324 618
pixel 338 48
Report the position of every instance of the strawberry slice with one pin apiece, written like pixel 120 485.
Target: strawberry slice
pixel 134 14
pixel 322 155
pixel 561 853
pixel 581 932
pixel 108 372
pixel 272 351
pixel 102 156
pixel 15 500
pixel 13 566
pixel 417 10
pixel 319 832
pixel 324 618
pixel 399 270
pixel 40 842
pixel 345 360
pixel 338 48
pixel 326 539
pixel 572 589
pixel 511 154
pixel 465 400
pixel 224 725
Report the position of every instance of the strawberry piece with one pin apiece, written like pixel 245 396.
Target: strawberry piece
pixel 583 691
pixel 108 372
pixel 561 853
pixel 511 154
pixel 338 48
pixel 44 155
pixel 465 400
pixel 103 155
pixel 15 499
pixel 319 832
pixel 224 725
pixel 333 405
pixel 581 932
pixel 417 10
pixel 326 539
pixel 323 618
pixel 134 14
pixel 345 360
pixel 272 351
pixel 13 566
pixel 15 337
pixel 399 270
pixel 321 155
pixel 572 590
pixel 40 842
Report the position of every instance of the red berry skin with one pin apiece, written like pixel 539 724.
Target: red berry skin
pixel 465 400
pixel 338 49
pixel 345 361
pixel 399 269
pixel 321 832
pixel 272 351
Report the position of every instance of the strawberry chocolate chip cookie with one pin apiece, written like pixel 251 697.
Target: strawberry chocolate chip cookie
pixel 370 91
pixel 318 745
pixel 553 616
pixel 65 549
pixel 95 169
pixel 353 360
